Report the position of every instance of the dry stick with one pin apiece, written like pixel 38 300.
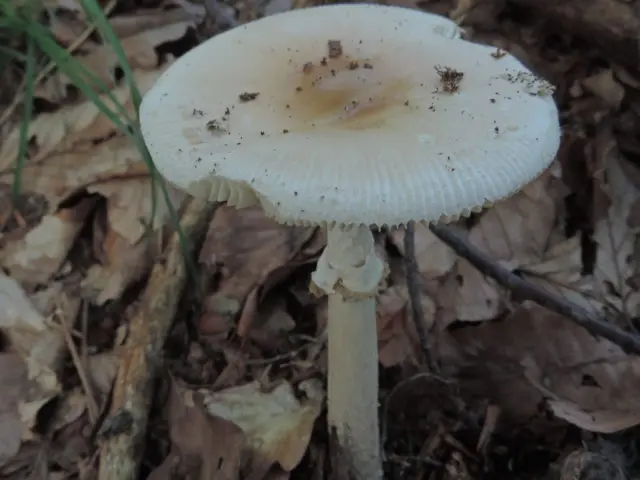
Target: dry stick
pixel 92 404
pixel 142 354
pixel 415 290
pixel 525 290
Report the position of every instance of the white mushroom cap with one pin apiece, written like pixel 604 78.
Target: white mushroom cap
pixel 404 123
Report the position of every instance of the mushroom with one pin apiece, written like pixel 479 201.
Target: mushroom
pixel 350 117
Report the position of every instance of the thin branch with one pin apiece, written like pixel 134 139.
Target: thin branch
pixel 524 290
pixel 415 291
pixel 141 356
pixel 92 404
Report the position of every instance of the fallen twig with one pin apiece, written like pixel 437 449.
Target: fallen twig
pixel 92 404
pixel 525 290
pixel 133 389
pixel 414 287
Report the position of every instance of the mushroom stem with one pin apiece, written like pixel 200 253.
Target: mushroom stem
pixel 349 271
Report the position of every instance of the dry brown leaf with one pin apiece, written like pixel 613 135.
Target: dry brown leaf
pixel 600 421
pixel 615 262
pixel 33 257
pixel 604 85
pixel 28 324
pixel 204 447
pixel 15 307
pixel 40 344
pixel 397 337
pixel 71 125
pixel 234 371
pixel 123 265
pixel 129 205
pixel 478 297
pixel 70 408
pixel 66 28
pixel 517 230
pixel 535 354
pixel 514 232
pixel 246 246
pixel 140 50
pixel 13 377
pixel 102 369
pixel 277 425
pixel 476 12
pixel 58 303
pixel 434 257
pixel 131 24
pixel 61 175
pixel 196 10
pixel 271 326
pixel 560 273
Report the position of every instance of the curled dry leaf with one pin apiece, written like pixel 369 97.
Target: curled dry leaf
pixel 34 256
pixel 277 425
pixel 70 125
pixel 245 247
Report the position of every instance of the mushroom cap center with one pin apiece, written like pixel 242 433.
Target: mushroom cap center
pixel 346 92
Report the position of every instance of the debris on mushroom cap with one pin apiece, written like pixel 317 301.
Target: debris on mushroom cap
pixel 450 78
pixel 335 48
pixel 404 124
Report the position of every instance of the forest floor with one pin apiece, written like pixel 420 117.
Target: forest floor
pixel 235 346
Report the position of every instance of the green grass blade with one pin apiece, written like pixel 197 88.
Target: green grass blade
pixel 95 12
pixel 23 145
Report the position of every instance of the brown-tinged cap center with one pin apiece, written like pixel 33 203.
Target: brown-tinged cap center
pixel 344 92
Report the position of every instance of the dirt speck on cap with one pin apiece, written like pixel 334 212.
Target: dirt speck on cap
pixel 450 78
pixel 215 127
pixel 335 48
pixel 247 96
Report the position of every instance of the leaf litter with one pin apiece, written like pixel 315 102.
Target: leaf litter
pixel 243 377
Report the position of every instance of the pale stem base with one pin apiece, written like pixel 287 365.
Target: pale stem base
pixel 349 272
